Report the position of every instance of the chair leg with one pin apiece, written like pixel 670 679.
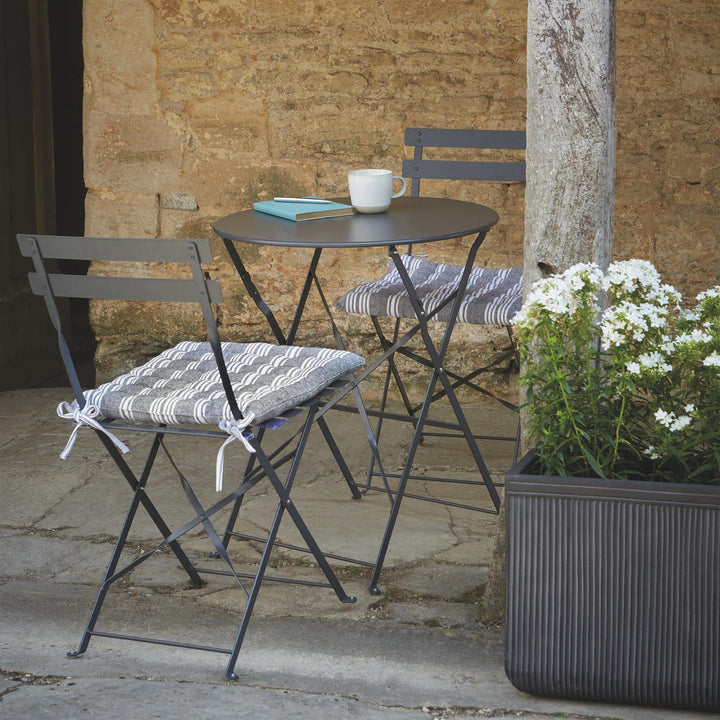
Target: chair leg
pixel 265 469
pixel 138 498
pixel 339 459
pixel 283 492
pixel 232 519
pixel 385 344
pixel 147 503
pixel 400 492
pixel 391 372
pixel 284 503
pixel 378 430
pixel 437 356
pixel 252 597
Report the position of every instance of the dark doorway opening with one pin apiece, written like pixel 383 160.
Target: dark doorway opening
pixel 42 187
pixel 66 62
pixel 67 66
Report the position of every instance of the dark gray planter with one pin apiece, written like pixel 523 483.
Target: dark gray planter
pixel 613 590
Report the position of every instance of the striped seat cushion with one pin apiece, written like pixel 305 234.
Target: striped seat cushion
pixel 182 385
pixel 493 295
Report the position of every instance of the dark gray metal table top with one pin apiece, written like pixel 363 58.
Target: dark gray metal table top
pixel 409 220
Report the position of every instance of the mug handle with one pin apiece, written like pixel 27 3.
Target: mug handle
pixel 404 186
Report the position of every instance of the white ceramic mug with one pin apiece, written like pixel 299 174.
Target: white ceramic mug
pixel 371 190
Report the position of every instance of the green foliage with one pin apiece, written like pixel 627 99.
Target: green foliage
pixel 621 382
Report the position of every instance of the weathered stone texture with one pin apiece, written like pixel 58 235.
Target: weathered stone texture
pixel 120 59
pixel 668 163
pixel 231 101
pixel 114 214
pixel 130 153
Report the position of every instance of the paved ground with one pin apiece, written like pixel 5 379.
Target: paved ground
pixel 418 651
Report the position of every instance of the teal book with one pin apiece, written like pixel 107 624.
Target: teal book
pixel 299 211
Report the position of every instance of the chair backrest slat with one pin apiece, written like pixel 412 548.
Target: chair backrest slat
pixel 124 288
pixel 465 138
pixel 115 249
pixel 419 167
pixel 464 170
pixel 124 250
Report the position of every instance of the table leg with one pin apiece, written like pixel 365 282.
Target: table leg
pixel 437 355
pixel 289 339
pixel 254 293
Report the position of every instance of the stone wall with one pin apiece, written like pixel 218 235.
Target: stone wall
pixel 668 162
pixel 195 109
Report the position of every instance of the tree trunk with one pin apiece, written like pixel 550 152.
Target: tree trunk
pixel 569 196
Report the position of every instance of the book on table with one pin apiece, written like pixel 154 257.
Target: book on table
pixel 299 211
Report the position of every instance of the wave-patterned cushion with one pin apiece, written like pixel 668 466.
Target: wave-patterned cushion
pixel 182 385
pixel 493 295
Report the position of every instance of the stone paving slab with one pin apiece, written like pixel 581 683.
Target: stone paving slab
pixel 155 700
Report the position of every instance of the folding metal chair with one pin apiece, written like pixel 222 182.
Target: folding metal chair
pixel 242 389
pixel 492 295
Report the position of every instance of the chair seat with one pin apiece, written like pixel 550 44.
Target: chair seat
pixel 493 295
pixel 182 385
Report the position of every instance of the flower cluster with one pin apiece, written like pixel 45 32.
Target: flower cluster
pixel 621 381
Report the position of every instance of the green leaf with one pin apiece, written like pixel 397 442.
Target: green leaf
pixel 593 463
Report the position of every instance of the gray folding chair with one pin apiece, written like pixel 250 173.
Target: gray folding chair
pixel 492 296
pixel 228 392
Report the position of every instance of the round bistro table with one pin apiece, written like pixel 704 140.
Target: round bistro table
pixel 409 221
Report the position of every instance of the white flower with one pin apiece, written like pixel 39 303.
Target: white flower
pixel 652 452
pixel 671 421
pixel 559 295
pixel 628 320
pixel 695 336
pixel 582 275
pixel 638 279
pixel 689 408
pixel 712 360
pixel 710 293
pixel 654 361
pixel 681 423
pixel 629 274
pixel 664 418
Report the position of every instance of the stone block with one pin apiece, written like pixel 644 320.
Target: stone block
pixel 118 80
pixel 110 214
pixel 687 160
pixel 230 125
pixel 633 191
pixel 179 201
pixel 324 131
pixel 453 12
pixel 222 186
pixel 218 15
pixel 184 224
pixel 310 17
pixel 130 154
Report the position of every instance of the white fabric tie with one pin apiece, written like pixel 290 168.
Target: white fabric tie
pixel 84 417
pixel 235 429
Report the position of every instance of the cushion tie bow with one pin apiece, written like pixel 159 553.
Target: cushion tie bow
pixel 235 429
pixel 84 417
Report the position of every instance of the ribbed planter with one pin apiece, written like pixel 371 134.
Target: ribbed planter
pixel 613 590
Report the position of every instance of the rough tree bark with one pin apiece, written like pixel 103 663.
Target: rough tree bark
pixel 569 195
